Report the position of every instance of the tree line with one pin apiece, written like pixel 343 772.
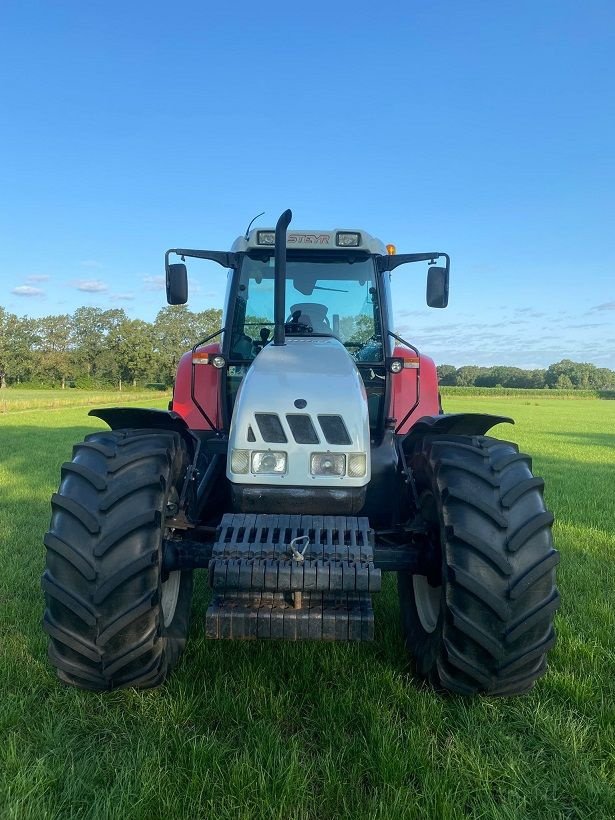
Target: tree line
pixel 564 375
pixel 93 348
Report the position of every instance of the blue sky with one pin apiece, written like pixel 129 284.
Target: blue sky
pixel 482 129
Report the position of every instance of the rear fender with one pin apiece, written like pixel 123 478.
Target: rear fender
pixel 455 424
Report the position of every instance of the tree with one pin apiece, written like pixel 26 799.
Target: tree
pixel 578 373
pixel 447 375
pixel 135 343
pixel 564 382
pixel 53 348
pixel 94 340
pixel 466 376
pixel 17 340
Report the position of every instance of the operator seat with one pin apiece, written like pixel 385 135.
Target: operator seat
pixel 311 314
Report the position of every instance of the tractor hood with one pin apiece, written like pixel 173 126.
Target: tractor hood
pixel 301 419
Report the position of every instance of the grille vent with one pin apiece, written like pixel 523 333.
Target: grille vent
pixel 302 428
pixel 334 429
pixel 270 428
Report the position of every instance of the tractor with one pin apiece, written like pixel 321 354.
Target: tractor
pixel 304 453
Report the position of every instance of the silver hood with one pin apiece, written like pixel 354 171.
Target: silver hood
pixel 305 377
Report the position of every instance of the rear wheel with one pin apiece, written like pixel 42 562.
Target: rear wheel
pixel 482 621
pixel 113 618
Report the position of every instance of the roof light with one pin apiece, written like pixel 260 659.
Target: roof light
pixel 391 250
pixel 265 237
pixel 344 239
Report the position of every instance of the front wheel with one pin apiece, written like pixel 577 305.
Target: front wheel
pixel 112 617
pixel 482 621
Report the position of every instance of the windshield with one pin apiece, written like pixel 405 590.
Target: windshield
pixel 329 296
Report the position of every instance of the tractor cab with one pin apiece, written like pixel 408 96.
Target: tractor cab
pixel 330 291
pixel 330 284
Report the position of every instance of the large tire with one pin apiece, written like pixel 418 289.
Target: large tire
pixel 112 619
pixel 482 623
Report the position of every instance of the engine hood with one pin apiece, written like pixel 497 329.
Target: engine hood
pixel 306 377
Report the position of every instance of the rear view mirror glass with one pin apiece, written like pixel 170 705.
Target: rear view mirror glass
pixel 177 284
pixel 437 287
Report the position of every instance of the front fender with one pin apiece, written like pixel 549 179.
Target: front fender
pixel 144 417
pixel 456 424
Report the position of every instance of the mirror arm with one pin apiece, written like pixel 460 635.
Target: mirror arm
pixel 388 263
pixel 224 258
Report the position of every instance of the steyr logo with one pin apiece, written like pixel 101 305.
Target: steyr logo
pixel 308 239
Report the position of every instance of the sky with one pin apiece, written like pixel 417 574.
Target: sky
pixel 486 130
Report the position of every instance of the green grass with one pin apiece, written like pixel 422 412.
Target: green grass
pixel 13 399
pixel 274 730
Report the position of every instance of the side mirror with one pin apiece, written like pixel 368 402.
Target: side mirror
pixel 437 287
pixel 177 284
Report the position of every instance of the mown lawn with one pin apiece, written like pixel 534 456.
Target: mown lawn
pixel 310 730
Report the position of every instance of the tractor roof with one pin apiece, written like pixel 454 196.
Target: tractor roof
pixel 337 239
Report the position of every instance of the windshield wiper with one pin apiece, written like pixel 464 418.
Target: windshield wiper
pixel 337 290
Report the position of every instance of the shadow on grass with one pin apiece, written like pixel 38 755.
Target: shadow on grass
pixel 587 439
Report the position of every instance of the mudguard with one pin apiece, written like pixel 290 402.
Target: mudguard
pixel 144 417
pixel 456 424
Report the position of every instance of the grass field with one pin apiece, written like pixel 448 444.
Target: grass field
pixel 13 399
pixel 317 731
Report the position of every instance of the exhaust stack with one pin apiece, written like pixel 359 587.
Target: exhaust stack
pixel 279 273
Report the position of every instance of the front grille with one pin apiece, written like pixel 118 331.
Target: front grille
pixel 334 429
pixel 270 428
pixel 302 428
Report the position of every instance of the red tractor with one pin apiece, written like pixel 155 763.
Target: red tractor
pixel 304 453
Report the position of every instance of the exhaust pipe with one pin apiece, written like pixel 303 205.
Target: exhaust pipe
pixel 279 280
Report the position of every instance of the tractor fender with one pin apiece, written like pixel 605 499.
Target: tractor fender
pixel 145 417
pixel 456 424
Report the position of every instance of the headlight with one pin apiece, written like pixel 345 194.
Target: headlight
pixel 357 465
pixel 328 464
pixel 269 463
pixel 240 461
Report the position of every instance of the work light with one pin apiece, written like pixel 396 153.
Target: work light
pixel 347 239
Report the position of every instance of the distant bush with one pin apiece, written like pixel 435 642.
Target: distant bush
pixel 155 386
